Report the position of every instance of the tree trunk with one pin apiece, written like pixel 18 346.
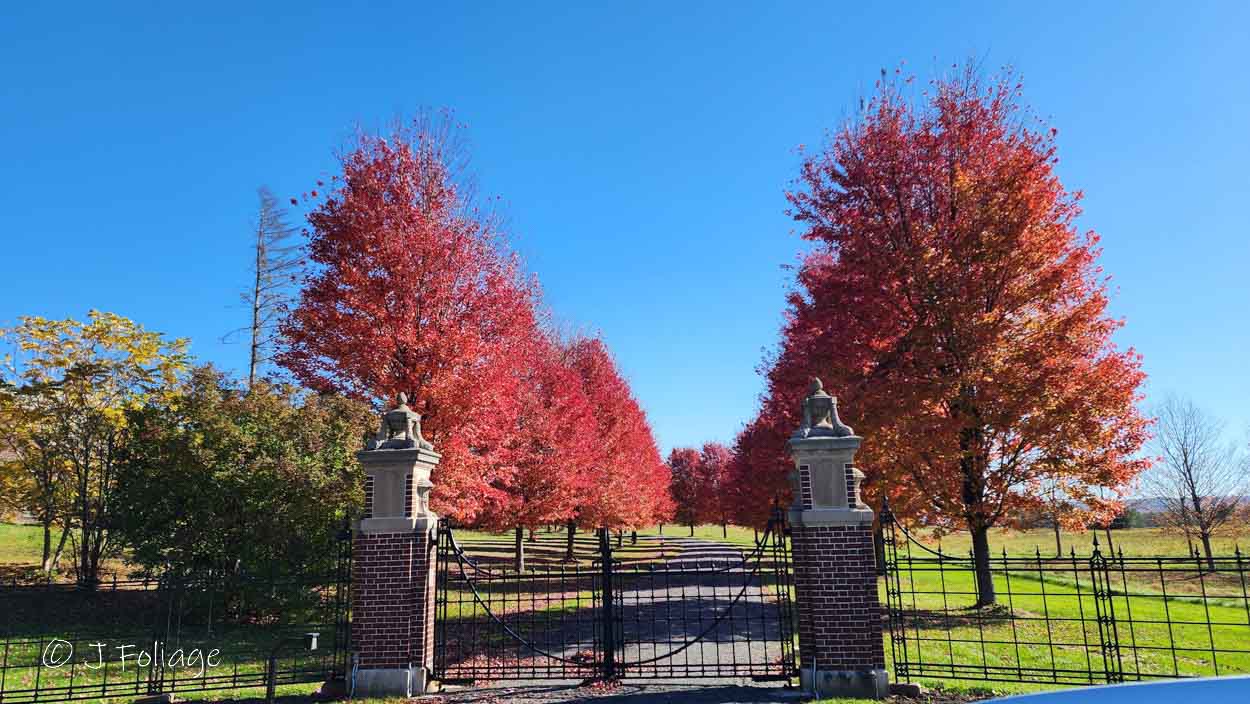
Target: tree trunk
pixel 1058 542
pixel 633 537
pixel 691 530
pixel 85 575
pixel 661 529
pixel 60 548
pixel 532 538
pixel 254 357
pixel 47 546
pixel 519 561
pixel 1110 544
pixel 724 530
pixel 620 538
pixel 1206 548
pixel 568 550
pixel 981 558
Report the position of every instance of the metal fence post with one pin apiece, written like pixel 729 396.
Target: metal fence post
pixel 1104 606
pixel 609 599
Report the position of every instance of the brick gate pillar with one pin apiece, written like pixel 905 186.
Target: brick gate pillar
pixel 393 550
pixel 841 651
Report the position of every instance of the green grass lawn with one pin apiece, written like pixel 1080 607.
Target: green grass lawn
pixel 20 544
pixel 21 553
pixel 1132 541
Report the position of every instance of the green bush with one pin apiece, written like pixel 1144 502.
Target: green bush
pixel 242 485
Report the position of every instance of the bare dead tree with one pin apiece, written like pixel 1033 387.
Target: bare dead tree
pixel 1200 478
pixel 276 268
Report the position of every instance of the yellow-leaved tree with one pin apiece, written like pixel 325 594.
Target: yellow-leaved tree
pixel 67 389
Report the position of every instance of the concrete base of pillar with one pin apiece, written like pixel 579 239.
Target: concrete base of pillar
pixel 397 682
pixel 864 684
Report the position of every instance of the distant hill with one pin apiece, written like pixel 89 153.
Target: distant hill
pixel 1155 504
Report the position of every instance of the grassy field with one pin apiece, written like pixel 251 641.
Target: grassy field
pixel 20 544
pixel 1132 542
pixel 21 551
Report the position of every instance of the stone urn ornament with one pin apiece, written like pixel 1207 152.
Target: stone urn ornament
pixel 400 430
pixel 820 415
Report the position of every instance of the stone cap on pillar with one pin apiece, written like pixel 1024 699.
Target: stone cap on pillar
pixel 825 482
pixel 397 463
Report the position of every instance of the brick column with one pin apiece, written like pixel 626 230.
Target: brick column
pixel 841 650
pixel 393 564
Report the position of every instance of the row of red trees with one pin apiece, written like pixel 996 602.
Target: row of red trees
pixel 948 298
pixel 701 486
pixel 415 290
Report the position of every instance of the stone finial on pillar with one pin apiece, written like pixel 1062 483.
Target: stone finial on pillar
pixel 393 560
pixel 841 651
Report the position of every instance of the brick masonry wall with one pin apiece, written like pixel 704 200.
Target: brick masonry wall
pixel 835 581
pixel 393 599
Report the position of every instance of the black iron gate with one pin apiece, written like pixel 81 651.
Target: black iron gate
pixel 727 615
pixel 176 633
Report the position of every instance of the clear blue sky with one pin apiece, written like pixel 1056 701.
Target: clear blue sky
pixel 641 153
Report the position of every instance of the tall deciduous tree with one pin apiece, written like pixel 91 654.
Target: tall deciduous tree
pixel 415 292
pixel 701 489
pixel 551 452
pixel 276 268
pixel 33 478
pixel 631 483
pixel 75 384
pixel 961 316
pixel 683 466
pixel 716 500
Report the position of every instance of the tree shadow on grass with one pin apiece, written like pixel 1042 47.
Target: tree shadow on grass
pixel 997 614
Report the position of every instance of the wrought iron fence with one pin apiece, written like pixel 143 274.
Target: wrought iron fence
pixel 176 633
pixel 1075 620
pixel 725 617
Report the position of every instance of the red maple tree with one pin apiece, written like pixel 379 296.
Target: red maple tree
pixel 716 502
pixel 683 466
pixel 414 291
pixel 701 490
pixel 552 450
pixel 630 482
pixel 954 307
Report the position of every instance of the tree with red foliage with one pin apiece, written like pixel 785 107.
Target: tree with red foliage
pixel 552 450
pixel 630 482
pixel 683 466
pixel 700 486
pixel 955 308
pixel 414 291
pixel 716 501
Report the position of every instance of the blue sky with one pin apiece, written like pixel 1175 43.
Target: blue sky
pixel 641 152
